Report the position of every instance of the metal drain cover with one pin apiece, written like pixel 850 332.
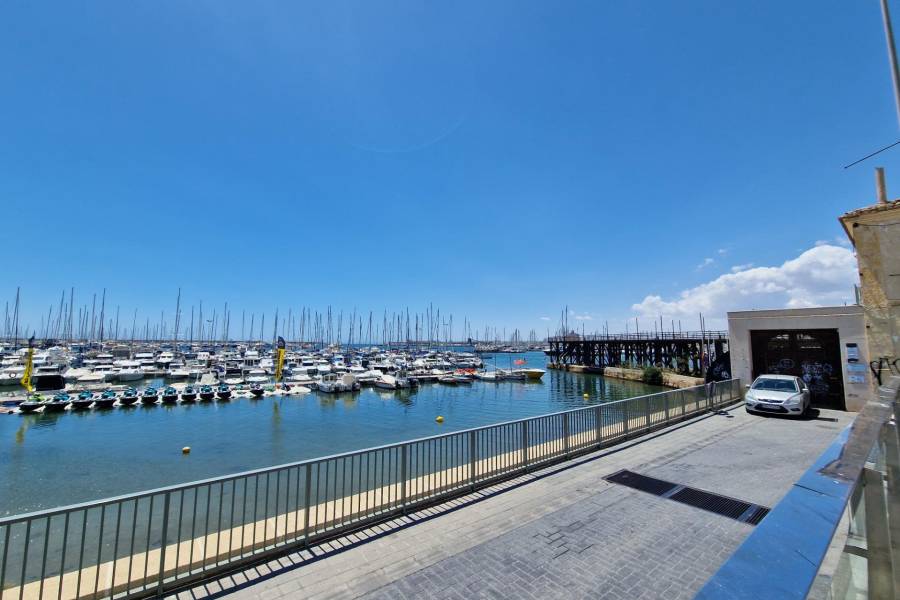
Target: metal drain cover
pixel 739 510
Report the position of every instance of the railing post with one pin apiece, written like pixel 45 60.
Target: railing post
pixel 472 458
pixel 647 412
pixel 403 477
pixel 162 547
pixel 666 405
pixel 881 580
pixel 525 444
pixel 892 468
pixel 306 500
pixel 565 425
pixel 681 395
pixel 625 417
pixel 598 420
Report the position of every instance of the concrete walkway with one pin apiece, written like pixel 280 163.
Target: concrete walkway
pixel 564 532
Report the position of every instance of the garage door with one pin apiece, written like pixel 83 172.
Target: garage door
pixel 813 354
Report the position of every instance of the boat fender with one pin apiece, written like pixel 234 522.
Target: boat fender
pixel 586 396
pixel 439 419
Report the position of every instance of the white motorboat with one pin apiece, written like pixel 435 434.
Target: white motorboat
pixel 329 384
pixel 165 359
pixel 129 370
pixel 11 376
pixel 72 374
pixel 257 376
pixel 92 377
pixel 534 374
pixel 386 382
pixel 178 373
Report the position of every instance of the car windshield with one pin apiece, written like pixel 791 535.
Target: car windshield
pixel 775 385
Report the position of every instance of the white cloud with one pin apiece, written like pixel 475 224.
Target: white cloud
pixel 739 268
pixel 545 318
pixel 584 318
pixel 706 262
pixel 722 251
pixel 822 275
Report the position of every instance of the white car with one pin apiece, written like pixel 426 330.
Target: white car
pixel 779 394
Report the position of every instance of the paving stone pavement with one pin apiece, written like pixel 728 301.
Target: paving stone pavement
pixel 564 532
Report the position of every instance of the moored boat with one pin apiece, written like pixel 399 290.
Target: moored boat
pixel 32 404
pixel 329 384
pixel 106 399
pixel 129 397
pixel 448 380
pixel 150 395
pixel 223 392
pixel 207 393
pixel 58 403
pixel 169 395
pixel 256 390
pixel 188 394
pixel 386 382
pixel 534 374
pixel 83 400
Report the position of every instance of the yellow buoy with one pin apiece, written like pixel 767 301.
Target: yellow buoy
pixel 586 396
pixel 186 450
pixel 439 419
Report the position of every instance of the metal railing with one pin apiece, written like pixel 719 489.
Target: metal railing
pixel 146 543
pixel 836 534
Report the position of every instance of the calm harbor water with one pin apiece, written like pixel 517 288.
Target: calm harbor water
pixel 57 459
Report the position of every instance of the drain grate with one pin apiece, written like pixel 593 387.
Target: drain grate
pixel 739 510
pixel 651 485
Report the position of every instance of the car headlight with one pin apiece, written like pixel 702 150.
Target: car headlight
pixel 749 397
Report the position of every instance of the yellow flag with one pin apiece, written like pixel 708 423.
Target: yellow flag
pixel 280 365
pixel 29 365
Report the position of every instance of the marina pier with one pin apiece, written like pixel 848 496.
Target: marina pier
pixel 686 353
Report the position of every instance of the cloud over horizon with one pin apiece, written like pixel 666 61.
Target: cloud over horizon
pixel 822 275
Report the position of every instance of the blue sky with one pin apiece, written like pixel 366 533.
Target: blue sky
pixel 499 159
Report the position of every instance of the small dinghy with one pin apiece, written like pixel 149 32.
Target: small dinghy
pixel 169 395
pixel 207 393
pixel 223 392
pixel 129 397
pixel 106 400
pixel 188 394
pixel 58 403
pixel 150 395
pixel 257 391
pixel 83 400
